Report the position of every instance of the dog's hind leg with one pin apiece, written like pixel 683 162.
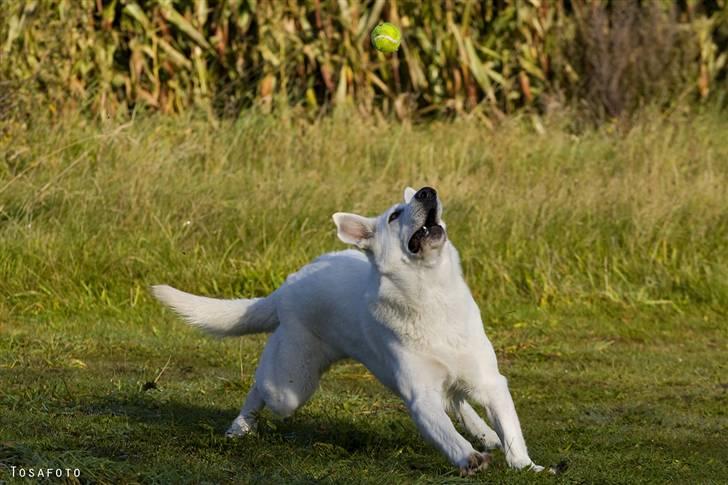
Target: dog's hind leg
pixel 290 368
pixel 287 375
pixel 246 420
pixel 475 425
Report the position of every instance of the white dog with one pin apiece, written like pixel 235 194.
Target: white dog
pixel 400 307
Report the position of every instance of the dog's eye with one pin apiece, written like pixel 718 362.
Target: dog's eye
pixel 394 215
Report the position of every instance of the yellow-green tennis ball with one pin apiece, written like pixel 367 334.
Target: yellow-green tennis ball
pixel 386 37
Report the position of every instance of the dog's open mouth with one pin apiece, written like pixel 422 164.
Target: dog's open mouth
pixel 430 231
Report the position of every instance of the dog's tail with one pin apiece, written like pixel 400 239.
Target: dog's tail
pixel 223 318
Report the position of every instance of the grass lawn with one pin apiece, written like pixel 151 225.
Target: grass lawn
pixel 599 260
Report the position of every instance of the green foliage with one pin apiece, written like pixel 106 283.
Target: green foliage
pixel 488 57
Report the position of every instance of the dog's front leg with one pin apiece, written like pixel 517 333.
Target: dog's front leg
pixel 422 392
pixel 428 412
pixel 475 425
pixel 494 395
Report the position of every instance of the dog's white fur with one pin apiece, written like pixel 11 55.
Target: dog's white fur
pixel 409 317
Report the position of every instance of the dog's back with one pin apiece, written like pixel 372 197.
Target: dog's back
pixel 328 297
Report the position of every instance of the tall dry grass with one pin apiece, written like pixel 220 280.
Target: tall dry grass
pixel 491 58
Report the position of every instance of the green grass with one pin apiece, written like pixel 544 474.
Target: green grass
pixel 599 261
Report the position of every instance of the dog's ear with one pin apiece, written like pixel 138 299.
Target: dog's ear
pixel 354 229
pixel 409 192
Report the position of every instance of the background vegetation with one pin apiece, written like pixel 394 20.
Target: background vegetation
pixel 488 58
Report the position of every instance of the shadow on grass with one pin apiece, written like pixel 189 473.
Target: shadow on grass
pixel 315 442
pixel 152 436
pixel 334 430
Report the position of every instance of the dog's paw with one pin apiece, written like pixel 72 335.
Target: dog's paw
pixel 236 432
pixel 240 427
pixel 490 440
pixel 559 468
pixel 553 469
pixel 476 462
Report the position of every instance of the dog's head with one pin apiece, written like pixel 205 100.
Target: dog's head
pixel 411 232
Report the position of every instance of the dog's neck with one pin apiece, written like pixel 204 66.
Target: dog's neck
pixel 425 284
pixel 425 304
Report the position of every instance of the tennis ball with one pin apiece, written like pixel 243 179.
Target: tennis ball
pixel 386 37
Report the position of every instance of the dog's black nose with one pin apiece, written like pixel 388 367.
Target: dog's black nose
pixel 426 194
